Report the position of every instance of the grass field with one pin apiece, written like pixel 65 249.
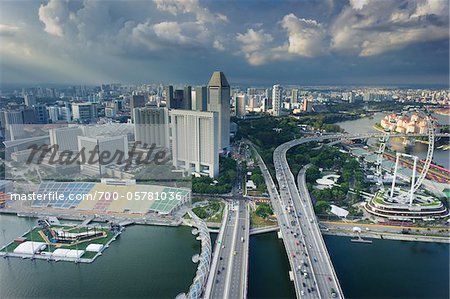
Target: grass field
pixel 256 221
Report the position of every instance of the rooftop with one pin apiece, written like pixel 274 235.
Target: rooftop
pixel 218 79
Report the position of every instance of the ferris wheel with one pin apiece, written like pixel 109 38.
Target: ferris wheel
pixel 415 183
pixel 378 168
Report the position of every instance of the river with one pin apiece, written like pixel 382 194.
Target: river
pixel 365 125
pixel 144 261
pixel 155 262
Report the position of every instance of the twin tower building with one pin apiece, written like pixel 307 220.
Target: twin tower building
pixel 194 125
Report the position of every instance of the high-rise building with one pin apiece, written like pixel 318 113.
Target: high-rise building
pixel 199 98
pixel 151 126
pixel 168 94
pixel 241 99
pixel 268 93
pixel 294 96
pixel 348 96
pixel 307 105
pixel 177 102
pixel 30 100
pixel 265 104
pixel 251 92
pixel 29 115
pixel 41 114
pixel 53 114
pixel 252 103
pixel 84 112
pixel 65 114
pixel 195 144
pixel 219 101
pixel 277 99
pixel 187 98
pixel 136 101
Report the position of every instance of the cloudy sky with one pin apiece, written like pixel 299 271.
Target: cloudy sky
pixel 253 42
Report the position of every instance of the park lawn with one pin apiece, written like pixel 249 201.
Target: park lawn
pixel 256 221
pixel 218 216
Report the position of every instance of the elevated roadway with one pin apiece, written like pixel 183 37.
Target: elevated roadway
pixel 229 275
pixel 315 271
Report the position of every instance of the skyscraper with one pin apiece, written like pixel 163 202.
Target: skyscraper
pixel 199 98
pixel 294 96
pixel 219 101
pixel 195 141
pixel 277 99
pixel 179 101
pixel 30 100
pixel 241 99
pixel 53 114
pixel 136 101
pixel 41 114
pixel 187 98
pixel 307 105
pixel 168 93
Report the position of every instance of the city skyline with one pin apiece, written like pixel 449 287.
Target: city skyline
pixel 307 43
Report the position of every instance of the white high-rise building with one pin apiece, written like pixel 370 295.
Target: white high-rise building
pixel 151 126
pixel 53 114
pixel 277 100
pixel 195 142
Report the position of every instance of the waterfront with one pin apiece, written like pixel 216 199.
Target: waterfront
pixel 145 260
pixel 365 125
pixel 150 261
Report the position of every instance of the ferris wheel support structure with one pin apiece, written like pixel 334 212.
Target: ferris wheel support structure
pixel 415 183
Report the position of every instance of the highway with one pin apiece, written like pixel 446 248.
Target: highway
pixel 312 271
pixel 293 245
pixel 303 223
pixel 230 272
